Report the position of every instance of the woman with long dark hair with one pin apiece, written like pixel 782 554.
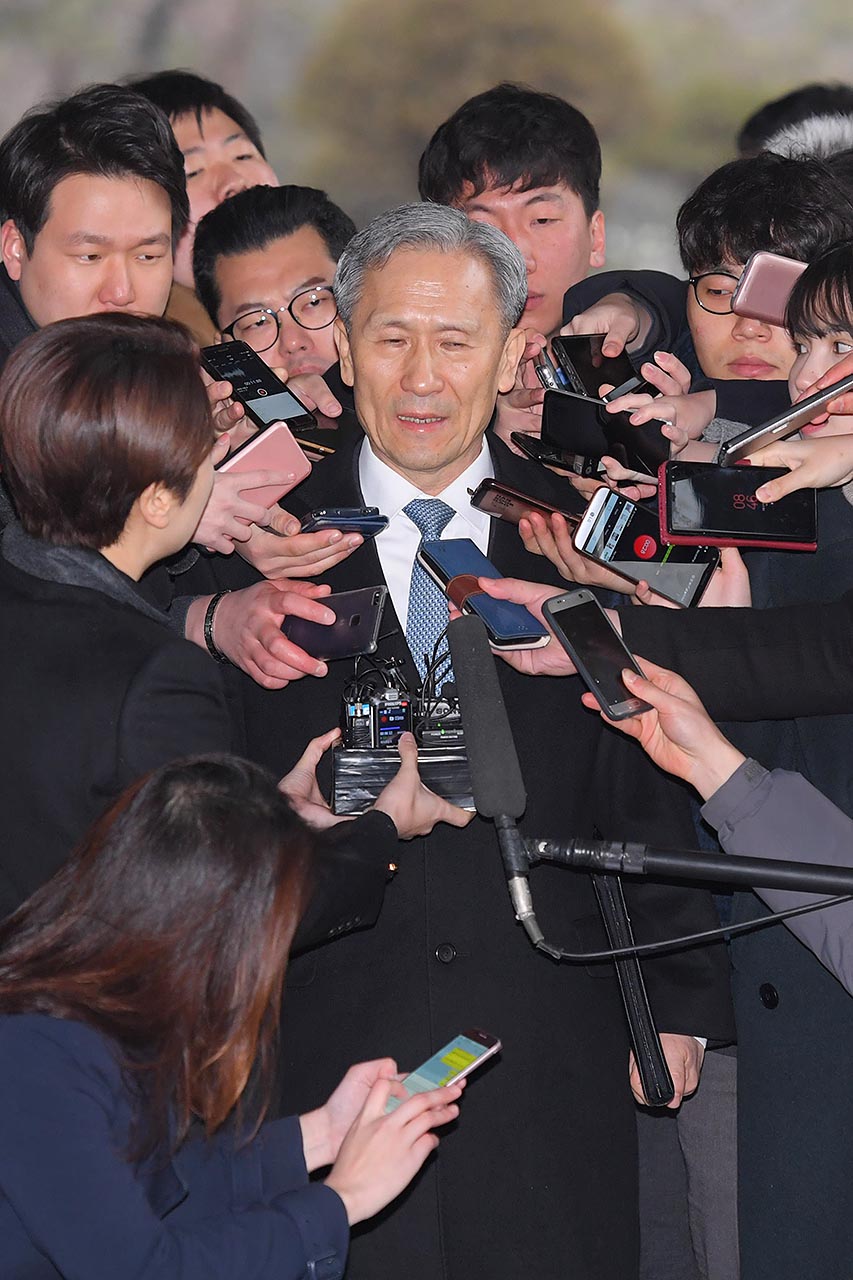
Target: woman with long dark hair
pixel 139 998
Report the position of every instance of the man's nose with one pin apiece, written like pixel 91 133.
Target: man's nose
pixel 746 328
pixel 420 373
pixel 116 286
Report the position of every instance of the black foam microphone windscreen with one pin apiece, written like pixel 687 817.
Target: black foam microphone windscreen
pixel 495 772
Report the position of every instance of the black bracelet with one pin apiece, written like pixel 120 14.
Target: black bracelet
pixel 208 629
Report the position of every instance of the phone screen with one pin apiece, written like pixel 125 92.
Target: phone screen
pixel 721 501
pixel 626 537
pixel 587 367
pixel 596 650
pixel 459 1055
pixel 259 389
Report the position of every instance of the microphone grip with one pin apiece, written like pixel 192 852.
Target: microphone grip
pixel 513 848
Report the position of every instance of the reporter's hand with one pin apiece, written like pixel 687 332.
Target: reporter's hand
pixel 381 1154
pixel 683 418
pixel 227 413
pixel 287 553
pixel 677 734
pixel 411 806
pixel 819 463
pixel 624 322
pixel 684 1056
pixel 230 515
pixel 313 391
pixel 552 539
pixel 324 1130
pixel 247 630
pixel 302 789
pixel 631 484
pixel 552 659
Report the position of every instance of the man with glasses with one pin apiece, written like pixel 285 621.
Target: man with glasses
pixel 264 263
pixel 793 207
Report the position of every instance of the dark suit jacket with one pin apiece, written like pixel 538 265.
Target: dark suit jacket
pixel 550 1124
pixel 72 1205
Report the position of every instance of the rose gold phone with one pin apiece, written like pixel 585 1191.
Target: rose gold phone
pixel 763 290
pixel 273 448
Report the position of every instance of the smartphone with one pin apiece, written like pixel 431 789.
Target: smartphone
pixel 583 426
pixel 364 520
pixel 459 1057
pixel 509 626
pixel 260 391
pixel 582 361
pixel 783 424
pixel 700 502
pixel 273 447
pixel 549 375
pixel 597 650
pixel 549 455
pixel 765 286
pixel 358 616
pixel 624 537
pixel 505 503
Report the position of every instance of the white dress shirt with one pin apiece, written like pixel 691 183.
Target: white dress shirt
pixel 397 545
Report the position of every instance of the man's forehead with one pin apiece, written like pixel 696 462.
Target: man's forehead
pixel 94 202
pixel 518 193
pixel 283 267
pixel 428 273
pixel 193 129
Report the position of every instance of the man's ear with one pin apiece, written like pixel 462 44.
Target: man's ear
pixel 512 353
pixel 12 248
pixel 156 504
pixel 598 239
pixel 344 353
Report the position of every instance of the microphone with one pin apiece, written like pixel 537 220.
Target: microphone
pixel 497 784
pixel 613 858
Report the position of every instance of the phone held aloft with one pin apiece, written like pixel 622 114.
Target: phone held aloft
pixel 272 448
pixel 456 564
pixel 261 392
pixel 765 286
pixel 623 536
pixel 700 502
pixel 456 1060
pixel 783 424
pixel 364 520
pixel 505 503
pixel 358 617
pixel 597 650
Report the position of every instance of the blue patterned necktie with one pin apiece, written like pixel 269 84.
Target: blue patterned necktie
pixel 428 610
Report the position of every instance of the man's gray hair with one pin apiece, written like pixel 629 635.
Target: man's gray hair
pixel 431 226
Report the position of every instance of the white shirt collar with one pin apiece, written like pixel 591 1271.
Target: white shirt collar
pixel 386 489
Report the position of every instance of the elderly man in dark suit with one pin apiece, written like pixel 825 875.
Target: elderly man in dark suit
pixel 541 1177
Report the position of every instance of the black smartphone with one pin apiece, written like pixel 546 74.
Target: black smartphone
pixel 505 503
pixel 260 391
pixel 354 631
pixel 364 520
pixel 583 362
pixel 549 455
pixel 700 502
pixel 597 650
pixel 623 536
pixel 583 426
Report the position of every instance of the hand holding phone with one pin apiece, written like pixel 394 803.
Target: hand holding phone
pixel 702 503
pixel 364 520
pixel 597 650
pixel 358 617
pixel 509 626
pixel 456 1060
pixel 261 392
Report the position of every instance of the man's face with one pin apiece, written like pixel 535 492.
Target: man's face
pixel 219 161
pixel 427 357
pixel 551 228
pixel 272 277
pixel 730 346
pixel 106 245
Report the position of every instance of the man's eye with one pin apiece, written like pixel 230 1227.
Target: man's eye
pixel 192 173
pixel 841 348
pixel 801 348
pixel 88 257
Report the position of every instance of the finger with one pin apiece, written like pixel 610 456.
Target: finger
pixel 619 334
pixel 276 652
pixel 316 749
pixel 773 490
pixel 219 452
pixel 407 750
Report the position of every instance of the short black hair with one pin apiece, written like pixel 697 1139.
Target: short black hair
pixel 821 300
pixel 181 93
pixel 106 130
pixel 799 104
pixel 252 219
pixel 507 135
pixel 794 207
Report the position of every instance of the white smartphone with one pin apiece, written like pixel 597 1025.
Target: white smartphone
pixel 624 537
pixel 459 1057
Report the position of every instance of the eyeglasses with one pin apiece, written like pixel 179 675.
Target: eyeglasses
pixel 311 309
pixel 714 291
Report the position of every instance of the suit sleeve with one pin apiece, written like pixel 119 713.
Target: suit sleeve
pixel 83 1207
pixel 781 815
pixel 754 664
pixel 175 706
pixel 351 873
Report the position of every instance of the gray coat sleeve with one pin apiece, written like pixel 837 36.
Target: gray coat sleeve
pixel 781 815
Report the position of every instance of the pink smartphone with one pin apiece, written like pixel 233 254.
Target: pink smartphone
pixel 763 290
pixel 272 448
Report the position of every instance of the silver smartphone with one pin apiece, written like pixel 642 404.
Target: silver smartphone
pixel 597 650
pixel 783 425
pixel 456 1060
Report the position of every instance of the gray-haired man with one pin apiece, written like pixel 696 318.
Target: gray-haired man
pixel 540 1180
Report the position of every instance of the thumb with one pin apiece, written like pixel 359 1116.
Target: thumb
pixel 407 749
pixel 219 452
pixel 316 749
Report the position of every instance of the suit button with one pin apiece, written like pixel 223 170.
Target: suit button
pixel 446 953
pixel 768 995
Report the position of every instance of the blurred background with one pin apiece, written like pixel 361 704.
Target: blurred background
pixel 347 92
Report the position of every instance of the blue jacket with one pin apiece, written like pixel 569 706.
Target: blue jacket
pixel 71 1205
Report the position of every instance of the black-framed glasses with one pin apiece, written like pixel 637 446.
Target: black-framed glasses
pixel 714 291
pixel 311 309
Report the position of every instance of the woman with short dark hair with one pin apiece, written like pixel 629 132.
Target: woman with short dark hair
pixel 139 998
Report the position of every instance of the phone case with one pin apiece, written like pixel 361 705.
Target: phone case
pixel 509 626
pixel 355 630
pixel 505 503
pixel 703 539
pixel 273 448
pixel 765 286
pixel 348 520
